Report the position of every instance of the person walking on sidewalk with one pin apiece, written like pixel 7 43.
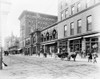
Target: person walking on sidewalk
pixel 95 57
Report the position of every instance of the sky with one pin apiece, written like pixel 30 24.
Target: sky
pixel 11 10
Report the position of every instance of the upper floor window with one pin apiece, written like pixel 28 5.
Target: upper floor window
pixel 72 10
pixel 65 30
pixel 66 13
pixel 72 28
pixel 88 3
pixel 96 1
pixel 61 6
pixel 47 36
pixel 66 2
pixel 62 15
pixel 79 26
pixel 42 37
pixel 78 7
pixel 89 23
pixel 54 34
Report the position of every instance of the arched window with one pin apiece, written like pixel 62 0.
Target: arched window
pixel 47 36
pixel 42 37
pixel 54 33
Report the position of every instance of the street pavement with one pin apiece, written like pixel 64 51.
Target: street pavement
pixel 35 67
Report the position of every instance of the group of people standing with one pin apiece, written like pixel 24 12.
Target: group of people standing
pixel 92 56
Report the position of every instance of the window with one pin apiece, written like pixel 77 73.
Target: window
pixel 79 25
pixel 54 34
pixel 72 28
pixel 61 6
pixel 47 36
pixel 62 15
pixel 89 23
pixel 66 2
pixel 72 10
pixel 65 30
pixel 66 13
pixel 96 1
pixel 78 7
pixel 88 3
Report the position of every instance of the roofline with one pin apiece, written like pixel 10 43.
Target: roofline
pixel 72 16
pixel 50 26
pixel 26 11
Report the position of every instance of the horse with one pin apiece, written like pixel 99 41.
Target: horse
pixel 68 55
pixel 72 55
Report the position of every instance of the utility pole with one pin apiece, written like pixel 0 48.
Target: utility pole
pixel 4 10
pixel 0 58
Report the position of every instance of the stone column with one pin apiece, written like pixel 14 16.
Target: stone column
pixel 68 48
pixel 83 44
pixel 44 49
pixel 99 44
pixel 58 47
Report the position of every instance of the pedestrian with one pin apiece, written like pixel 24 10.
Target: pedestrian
pixel 89 57
pixel 45 54
pixel 95 57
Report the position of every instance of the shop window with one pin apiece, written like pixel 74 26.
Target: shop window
pixel 72 28
pixel 65 30
pixel 79 26
pixel 89 23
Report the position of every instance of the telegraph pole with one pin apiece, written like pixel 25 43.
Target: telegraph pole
pixel 0 58
pixel 4 10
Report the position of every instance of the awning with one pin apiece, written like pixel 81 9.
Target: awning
pixel 75 38
pixel 47 43
pixel 94 35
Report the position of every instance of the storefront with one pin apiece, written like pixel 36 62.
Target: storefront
pixel 62 45
pixel 91 44
pixel 75 45
pixel 49 47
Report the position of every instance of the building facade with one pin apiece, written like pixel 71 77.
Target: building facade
pixel 33 22
pixel 80 24
pixel 12 44
pixel 77 29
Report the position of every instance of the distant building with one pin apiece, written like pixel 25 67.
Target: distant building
pixel 12 44
pixel 30 22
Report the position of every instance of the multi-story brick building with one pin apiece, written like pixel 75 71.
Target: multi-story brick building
pixel 80 24
pixel 30 22
pixel 77 28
